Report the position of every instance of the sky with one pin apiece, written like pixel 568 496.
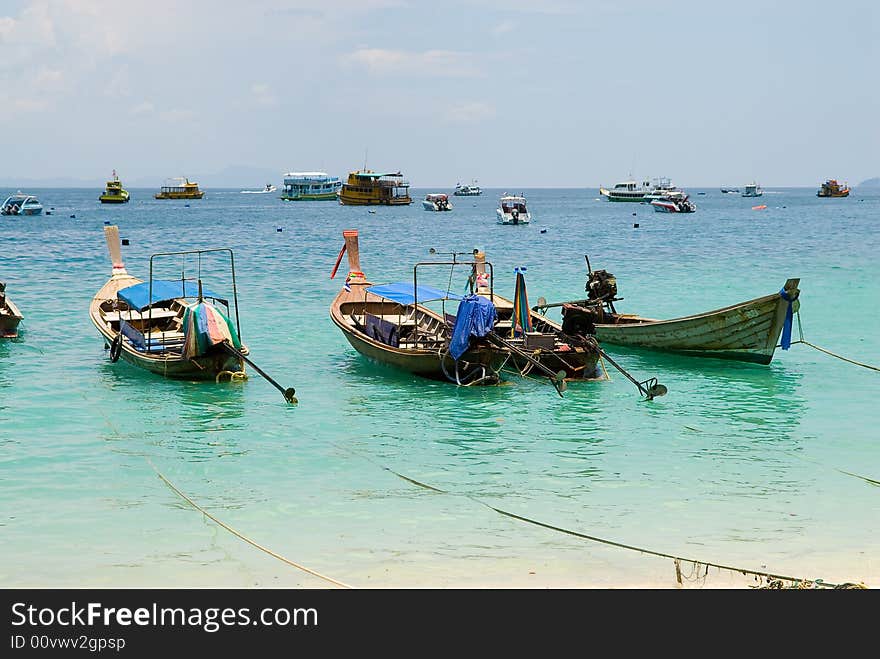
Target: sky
pixel 549 93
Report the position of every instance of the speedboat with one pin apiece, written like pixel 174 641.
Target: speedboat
pixel 269 188
pixel 674 203
pixel 513 210
pixel 436 202
pixel 21 204
pixel 114 192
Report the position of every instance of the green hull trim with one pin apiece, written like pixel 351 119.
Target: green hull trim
pixel 326 196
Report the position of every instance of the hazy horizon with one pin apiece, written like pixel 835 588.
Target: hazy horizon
pixel 511 93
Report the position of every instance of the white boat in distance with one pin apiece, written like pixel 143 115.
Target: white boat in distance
pixel 269 188
pixel 436 201
pixel 513 210
pixel 467 190
pixel 752 190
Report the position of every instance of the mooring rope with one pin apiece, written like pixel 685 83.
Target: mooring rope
pixel 224 525
pixel 774 579
pixel 828 352
pixel 244 537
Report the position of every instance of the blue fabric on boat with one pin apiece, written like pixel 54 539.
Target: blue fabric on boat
pixel 402 292
pixel 382 330
pixel 786 327
pixel 476 316
pixel 138 296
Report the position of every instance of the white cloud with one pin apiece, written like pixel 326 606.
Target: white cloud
pixel 143 108
pixel 431 63
pixel 176 115
pixel 469 112
pixel 503 28
pixel 262 95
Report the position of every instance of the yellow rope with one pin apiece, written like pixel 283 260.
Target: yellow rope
pixel 243 537
pixel 828 352
pixel 772 578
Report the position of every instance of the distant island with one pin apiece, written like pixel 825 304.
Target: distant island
pixel 870 183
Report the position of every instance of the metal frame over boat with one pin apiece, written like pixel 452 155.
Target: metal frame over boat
pixel 748 331
pixel 146 323
pixel 21 204
pixel 390 325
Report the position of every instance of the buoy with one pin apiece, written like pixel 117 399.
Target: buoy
pixel 759 208
pixel 278 229
pixel 125 241
pixel 543 230
pixel 106 221
pixel 634 214
pixel 48 212
pixel 73 215
pixel 636 225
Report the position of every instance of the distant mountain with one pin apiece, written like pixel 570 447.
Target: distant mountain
pixel 870 183
pixel 234 176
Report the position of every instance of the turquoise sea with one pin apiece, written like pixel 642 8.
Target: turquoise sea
pixel 763 468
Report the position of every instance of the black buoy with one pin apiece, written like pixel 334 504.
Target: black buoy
pixel 279 229
pixel 634 214
pixel 48 212
pixel 125 241
pixel 543 230
pixel 636 225
pixel 73 215
pixel 106 221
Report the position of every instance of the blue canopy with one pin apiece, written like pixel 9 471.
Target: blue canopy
pixel 138 296
pixel 402 292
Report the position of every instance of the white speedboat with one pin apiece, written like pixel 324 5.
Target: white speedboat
pixel 269 188
pixel 512 210
pixel 21 204
pixel 674 203
pixel 436 202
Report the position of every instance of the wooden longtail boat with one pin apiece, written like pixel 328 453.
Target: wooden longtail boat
pixel 166 326
pixel 390 325
pixel 545 341
pixel 10 316
pixel 749 331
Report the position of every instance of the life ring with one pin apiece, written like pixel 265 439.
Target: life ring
pixel 116 348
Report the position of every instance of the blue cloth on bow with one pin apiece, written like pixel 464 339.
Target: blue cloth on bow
pixel 786 327
pixel 476 316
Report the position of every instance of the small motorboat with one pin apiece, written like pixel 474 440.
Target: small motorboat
pixel 21 204
pixel 436 202
pixel 269 188
pixel 512 210
pixel 114 192
pixel 674 203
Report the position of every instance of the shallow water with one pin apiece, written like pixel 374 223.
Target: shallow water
pixel 739 465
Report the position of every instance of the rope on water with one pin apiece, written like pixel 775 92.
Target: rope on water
pixel 828 352
pixel 774 580
pixel 245 538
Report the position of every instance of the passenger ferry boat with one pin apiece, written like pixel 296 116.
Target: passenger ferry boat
pixel 185 189
pixel 113 192
pixel 831 188
pixel 310 186
pixel 467 190
pixel 369 188
pixel 21 204
pixel 627 191
pixel 752 190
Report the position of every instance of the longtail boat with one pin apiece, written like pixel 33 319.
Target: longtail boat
pixel 749 331
pixel 10 316
pixel 542 338
pixel 166 326
pixel 391 325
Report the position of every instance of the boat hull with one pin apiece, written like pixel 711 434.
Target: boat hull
pixel 636 197
pixel 169 365
pixel 182 195
pixel 507 218
pixel 113 199
pixel 323 196
pixel 10 317
pixel 746 332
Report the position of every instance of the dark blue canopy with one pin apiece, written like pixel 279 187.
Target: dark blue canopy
pixel 138 296
pixel 402 292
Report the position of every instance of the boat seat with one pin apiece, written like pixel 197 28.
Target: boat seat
pixel 157 314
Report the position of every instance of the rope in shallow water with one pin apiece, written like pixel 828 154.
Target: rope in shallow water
pixel 224 525
pixel 245 538
pixel 828 352
pixel 774 580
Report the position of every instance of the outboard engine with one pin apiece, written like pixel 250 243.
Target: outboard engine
pixel 581 321
pixel 601 286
